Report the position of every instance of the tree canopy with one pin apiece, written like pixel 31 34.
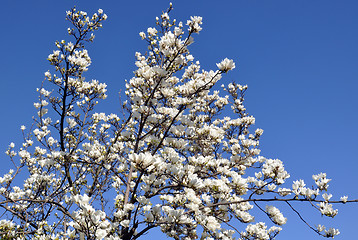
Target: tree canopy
pixel 182 156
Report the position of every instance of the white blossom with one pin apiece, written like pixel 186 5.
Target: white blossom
pixel 226 65
pixel 276 215
pixel 344 199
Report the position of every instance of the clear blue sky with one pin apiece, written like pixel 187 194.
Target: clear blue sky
pixel 299 58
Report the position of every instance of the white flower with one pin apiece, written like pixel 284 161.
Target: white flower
pixel 194 24
pixel 331 232
pixel 276 215
pixel 320 228
pixel 142 35
pixel 165 16
pixel 321 181
pixel 44 92
pixel 259 132
pixel 71 122
pixel 344 199
pixel 257 231
pixel 284 191
pixel 101 233
pixel 125 223
pixel 178 31
pixel 152 31
pixel 298 186
pixel 226 65
pixel 327 209
pixel 326 196
pixel 212 224
pixel 48 75
pixel 149 217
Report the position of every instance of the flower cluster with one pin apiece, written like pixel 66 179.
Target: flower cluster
pixel 276 215
pixel 226 65
pixel 88 219
pixel 259 231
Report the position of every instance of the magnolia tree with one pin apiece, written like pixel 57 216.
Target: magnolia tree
pixel 180 158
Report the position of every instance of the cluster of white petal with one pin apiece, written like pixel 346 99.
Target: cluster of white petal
pixel 330 233
pixel 259 231
pixel 275 215
pixel 194 24
pixel 89 219
pixel 327 209
pixel 9 228
pixel 274 169
pixel 226 65
pixel 80 59
pixel 321 181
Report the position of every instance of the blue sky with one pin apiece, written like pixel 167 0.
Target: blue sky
pixel 299 59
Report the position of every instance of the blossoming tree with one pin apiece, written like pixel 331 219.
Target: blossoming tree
pixel 180 158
